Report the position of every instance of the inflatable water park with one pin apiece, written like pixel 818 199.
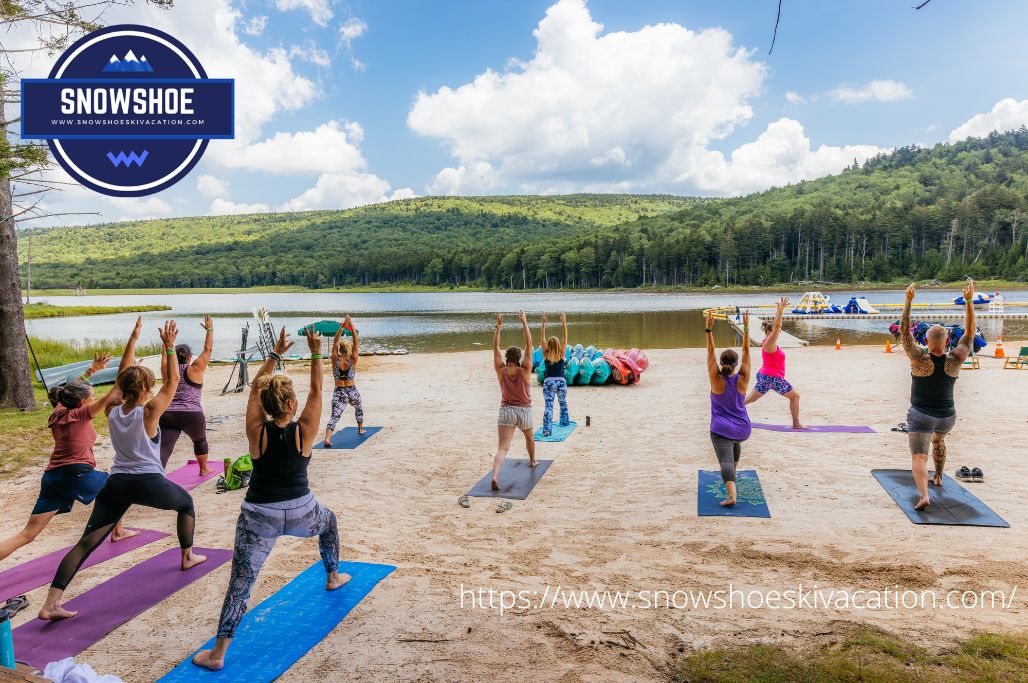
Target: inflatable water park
pixel 590 365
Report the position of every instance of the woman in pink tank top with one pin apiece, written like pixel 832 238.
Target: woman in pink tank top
pixel 513 369
pixel 771 376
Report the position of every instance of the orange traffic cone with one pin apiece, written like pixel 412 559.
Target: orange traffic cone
pixel 838 344
pixel 999 348
pixel 888 345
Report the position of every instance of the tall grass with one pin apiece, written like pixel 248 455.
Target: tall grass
pixel 53 352
pixel 34 311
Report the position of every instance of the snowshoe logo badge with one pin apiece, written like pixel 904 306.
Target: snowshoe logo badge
pixel 128 110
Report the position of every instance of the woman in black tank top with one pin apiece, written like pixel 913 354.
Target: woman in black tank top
pixel 278 501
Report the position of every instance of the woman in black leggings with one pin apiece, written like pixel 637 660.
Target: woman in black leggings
pixel 137 477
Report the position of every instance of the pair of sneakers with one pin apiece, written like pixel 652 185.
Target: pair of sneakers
pixel 970 474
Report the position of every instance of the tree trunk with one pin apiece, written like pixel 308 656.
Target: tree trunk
pixel 15 376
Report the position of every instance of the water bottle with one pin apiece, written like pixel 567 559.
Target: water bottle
pixel 6 641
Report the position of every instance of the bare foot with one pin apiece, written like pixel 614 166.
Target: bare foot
pixel 55 613
pixel 328 443
pixel 798 426
pixel 335 580
pixel 495 485
pixel 360 429
pixel 532 462
pixel 205 471
pixel 937 480
pixel 191 560
pixel 206 659
pixel 121 535
pixel 728 502
pixel 923 504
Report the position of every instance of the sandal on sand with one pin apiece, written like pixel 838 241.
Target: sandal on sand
pixel 15 605
pixel 504 506
pixel 464 502
pixel 977 475
pixel 964 473
pixel 901 427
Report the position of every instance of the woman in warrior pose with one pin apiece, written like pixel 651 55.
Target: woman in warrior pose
pixel 729 422
pixel 771 376
pixel 185 414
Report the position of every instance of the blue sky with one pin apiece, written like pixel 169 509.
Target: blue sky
pixel 329 113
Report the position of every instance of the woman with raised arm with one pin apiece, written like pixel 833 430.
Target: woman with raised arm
pixel 71 474
pixel 554 382
pixel 771 376
pixel 729 422
pixel 185 414
pixel 278 501
pixel 513 370
pixel 344 369
pixel 137 476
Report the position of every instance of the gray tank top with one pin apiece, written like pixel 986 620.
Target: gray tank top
pixel 187 395
pixel 134 451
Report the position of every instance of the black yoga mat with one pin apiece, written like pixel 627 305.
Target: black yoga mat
pixel 952 504
pixel 517 479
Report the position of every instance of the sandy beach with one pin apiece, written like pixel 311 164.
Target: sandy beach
pixel 615 512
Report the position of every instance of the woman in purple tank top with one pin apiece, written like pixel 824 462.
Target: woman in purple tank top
pixel 729 422
pixel 185 414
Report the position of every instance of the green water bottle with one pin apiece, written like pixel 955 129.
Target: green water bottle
pixel 6 641
pixel 228 464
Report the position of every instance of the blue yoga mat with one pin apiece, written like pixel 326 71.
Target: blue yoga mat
pixel 557 433
pixel 349 438
pixel 749 497
pixel 278 632
pixel 951 503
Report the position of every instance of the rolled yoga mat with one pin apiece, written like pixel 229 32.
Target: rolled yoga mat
pixel 40 571
pixel 111 604
pixel 275 634
pixel 817 429
pixel 951 503
pixel 517 479
pixel 749 496
pixel 188 476
pixel 348 438
pixel 557 432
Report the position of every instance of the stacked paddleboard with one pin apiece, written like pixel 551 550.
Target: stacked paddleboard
pixel 590 365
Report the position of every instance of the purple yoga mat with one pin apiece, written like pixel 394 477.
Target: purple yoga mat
pixel 816 429
pixel 40 571
pixel 109 605
pixel 188 476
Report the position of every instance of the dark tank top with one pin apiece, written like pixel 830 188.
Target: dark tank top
pixel 280 473
pixel 933 395
pixel 555 369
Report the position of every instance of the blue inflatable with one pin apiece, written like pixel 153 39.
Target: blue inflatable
pixel 586 368
pixel 537 357
pixel 601 371
pixel 577 351
pixel 571 370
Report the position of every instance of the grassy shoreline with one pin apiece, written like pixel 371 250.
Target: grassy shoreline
pixel 982 285
pixel 40 311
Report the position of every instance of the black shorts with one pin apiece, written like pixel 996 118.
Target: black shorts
pixel 59 488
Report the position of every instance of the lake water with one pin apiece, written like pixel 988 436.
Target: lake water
pixel 443 321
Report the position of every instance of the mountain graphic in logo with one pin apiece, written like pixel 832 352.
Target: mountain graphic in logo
pixel 128 65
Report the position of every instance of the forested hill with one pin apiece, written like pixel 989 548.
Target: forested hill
pixel 944 212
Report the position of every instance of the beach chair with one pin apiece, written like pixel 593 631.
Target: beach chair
pixel 1019 363
pixel 971 362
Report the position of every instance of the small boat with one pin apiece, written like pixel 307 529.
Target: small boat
pixel 980 299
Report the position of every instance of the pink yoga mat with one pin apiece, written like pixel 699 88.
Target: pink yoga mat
pixel 109 605
pixel 816 429
pixel 188 476
pixel 35 573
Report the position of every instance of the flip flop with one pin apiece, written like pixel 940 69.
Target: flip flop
pixel 504 506
pixel 15 605
pixel 464 502
pixel 901 428
pixel 977 475
pixel 964 474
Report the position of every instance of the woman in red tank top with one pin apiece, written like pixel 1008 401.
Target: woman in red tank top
pixel 771 376
pixel 513 369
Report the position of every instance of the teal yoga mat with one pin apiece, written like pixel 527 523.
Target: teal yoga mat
pixel 348 438
pixel 749 496
pixel 557 433
pixel 275 634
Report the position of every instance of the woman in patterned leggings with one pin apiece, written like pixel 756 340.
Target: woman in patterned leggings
pixel 771 376
pixel 555 385
pixel 344 369
pixel 278 501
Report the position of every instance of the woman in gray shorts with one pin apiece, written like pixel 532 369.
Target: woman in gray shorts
pixel 513 369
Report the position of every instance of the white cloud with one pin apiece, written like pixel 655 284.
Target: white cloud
pixel 332 147
pixel 478 177
pixel 211 187
pixel 875 91
pixel 224 207
pixel 141 207
pixel 311 54
pixel 343 191
pixel 254 26
pixel 1008 114
pixel 782 154
pixel 318 9
pixel 794 97
pixel 349 31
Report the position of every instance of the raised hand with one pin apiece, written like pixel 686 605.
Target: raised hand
pixel 499 319
pixel 969 290
pixel 782 303
pixel 710 320
pixel 522 317
pixel 563 318
pixel 281 344
pixel 168 334
pixel 546 319
pixel 911 291
pixel 313 338
pixel 746 320
pixel 208 323
pixel 138 328
pixel 100 361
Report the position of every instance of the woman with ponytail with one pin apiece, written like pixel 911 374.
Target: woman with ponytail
pixel 185 414
pixel 278 501
pixel 71 474
pixel 729 422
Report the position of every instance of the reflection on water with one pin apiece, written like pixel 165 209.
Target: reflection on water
pixel 460 322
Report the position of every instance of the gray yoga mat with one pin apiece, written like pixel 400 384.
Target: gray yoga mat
pixel 952 504
pixel 517 479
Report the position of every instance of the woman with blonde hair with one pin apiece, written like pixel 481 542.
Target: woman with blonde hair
pixel 137 476
pixel 278 500
pixel 555 385
pixel 344 369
